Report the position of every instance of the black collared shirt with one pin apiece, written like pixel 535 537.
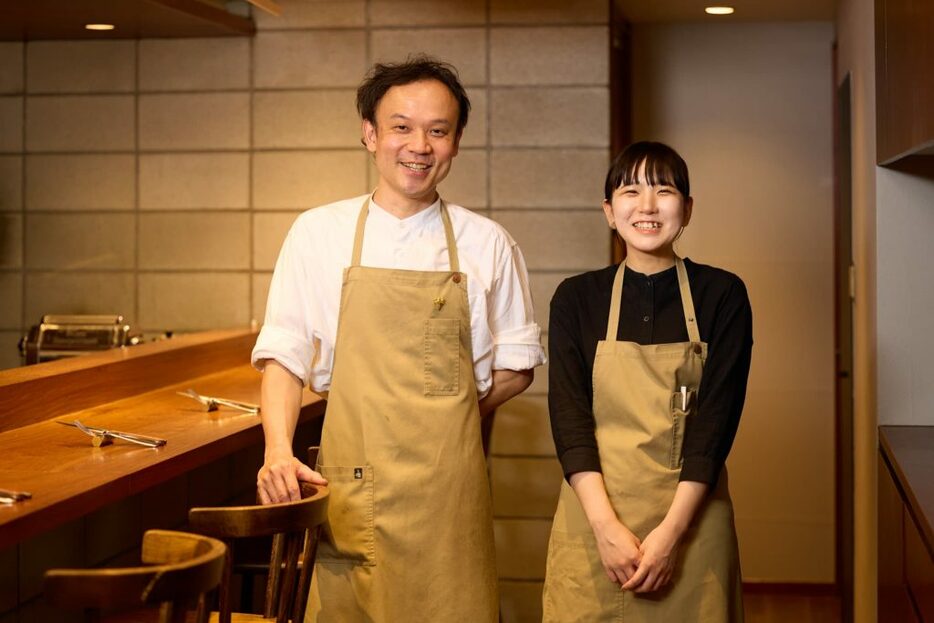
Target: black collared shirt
pixel 651 314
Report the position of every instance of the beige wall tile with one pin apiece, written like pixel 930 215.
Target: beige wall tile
pixel 521 547
pixel 80 123
pixel 193 301
pixel 475 133
pixel 11 240
pixel 306 119
pixel 80 293
pixel 466 183
pixel 548 11
pixel 81 182
pixel 522 427
pixel 269 231
pixel 465 48
pixel 196 241
pixel 202 181
pixel 200 121
pixel 520 601
pixel 427 12
pixel 261 283
pixel 555 240
pixel 569 55
pixel 112 530
pixel 194 64
pixel 313 14
pixel 548 178
pixel 79 241
pixel 309 59
pixel 11 123
pixel 576 117
pixel 63 546
pixel 305 180
pixel 11 183
pixel 9 358
pixel 543 287
pixel 525 487
pixel 11 67
pixel 11 292
pixel 80 66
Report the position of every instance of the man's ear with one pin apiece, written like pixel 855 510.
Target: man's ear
pixel 369 136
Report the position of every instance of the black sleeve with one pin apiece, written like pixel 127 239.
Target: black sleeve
pixel 569 381
pixel 709 434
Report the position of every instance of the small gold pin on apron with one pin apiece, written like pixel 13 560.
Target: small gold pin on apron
pixel 439 301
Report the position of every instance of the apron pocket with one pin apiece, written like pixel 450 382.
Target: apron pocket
pixel 681 407
pixel 442 356
pixel 348 534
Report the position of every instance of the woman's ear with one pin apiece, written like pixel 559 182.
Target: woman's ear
pixel 608 211
pixel 688 210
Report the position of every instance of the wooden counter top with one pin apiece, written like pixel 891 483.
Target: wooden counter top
pixel 68 477
pixel 909 452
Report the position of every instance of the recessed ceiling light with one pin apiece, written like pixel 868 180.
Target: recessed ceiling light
pixel 99 26
pixel 719 10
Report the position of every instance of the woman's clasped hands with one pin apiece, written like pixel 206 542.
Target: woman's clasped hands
pixel 640 567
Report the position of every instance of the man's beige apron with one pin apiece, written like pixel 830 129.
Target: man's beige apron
pixel 640 415
pixel 409 535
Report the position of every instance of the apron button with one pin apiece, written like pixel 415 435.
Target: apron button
pixel 697 349
pixel 456 277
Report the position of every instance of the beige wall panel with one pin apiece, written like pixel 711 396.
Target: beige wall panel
pixel 466 183
pixel 578 117
pixel 309 59
pixel 520 601
pixel 203 181
pixel 11 240
pixel 200 121
pixel 112 530
pixel 548 178
pixel 540 56
pixel 91 66
pixel 427 12
pixel 80 293
pixel 11 67
pixel 548 11
pixel 11 123
pixel 261 283
pixel 11 183
pixel 465 48
pixel 269 232
pixel 11 292
pixel 306 119
pixel 521 547
pixel 79 241
pixel 80 123
pixel 81 182
pixel 522 427
pixel 291 179
pixel 313 14
pixel 194 64
pixel 196 241
pixel 475 133
pixel 543 288
pixel 61 547
pixel 193 301
pixel 525 487
pixel 552 240
pixel 9 358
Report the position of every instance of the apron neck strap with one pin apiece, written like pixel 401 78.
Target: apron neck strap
pixel 687 302
pixel 448 233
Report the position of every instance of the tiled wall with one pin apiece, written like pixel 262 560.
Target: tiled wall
pixel 157 178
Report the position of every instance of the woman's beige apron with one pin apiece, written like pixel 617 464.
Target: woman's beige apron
pixel 409 535
pixel 640 415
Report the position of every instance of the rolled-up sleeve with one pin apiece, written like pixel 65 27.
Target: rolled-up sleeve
pixel 516 335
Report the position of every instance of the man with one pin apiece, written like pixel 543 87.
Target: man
pixel 415 315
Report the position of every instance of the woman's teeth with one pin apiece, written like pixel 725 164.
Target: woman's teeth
pixel 644 225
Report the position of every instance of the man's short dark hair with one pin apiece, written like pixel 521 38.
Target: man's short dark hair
pixel 384 76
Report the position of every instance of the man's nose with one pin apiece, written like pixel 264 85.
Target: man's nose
pixel 419 143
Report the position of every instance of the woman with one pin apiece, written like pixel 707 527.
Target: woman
pixel 645 398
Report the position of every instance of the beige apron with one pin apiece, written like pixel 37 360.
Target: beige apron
pixel 410 530
pixel 640 413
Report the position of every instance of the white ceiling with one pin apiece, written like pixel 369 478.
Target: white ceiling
pixel 649 11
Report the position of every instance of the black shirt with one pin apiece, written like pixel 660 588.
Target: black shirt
pixel 651 313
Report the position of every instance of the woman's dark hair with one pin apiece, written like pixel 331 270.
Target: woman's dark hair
pixel 663 165
pixel 384 76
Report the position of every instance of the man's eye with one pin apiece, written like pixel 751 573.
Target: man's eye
pixel 401 128
pixel 439 133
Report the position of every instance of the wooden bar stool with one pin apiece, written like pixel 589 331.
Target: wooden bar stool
pixel 182 568
pixel 294 527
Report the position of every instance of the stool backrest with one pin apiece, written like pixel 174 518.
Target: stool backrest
pixel 295 527
pixel 180 569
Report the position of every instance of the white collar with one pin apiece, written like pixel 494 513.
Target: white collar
pixel 420 219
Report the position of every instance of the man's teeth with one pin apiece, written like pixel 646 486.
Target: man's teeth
pixel 415 166
pixel 644 225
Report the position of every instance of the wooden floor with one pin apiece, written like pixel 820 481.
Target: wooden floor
pixel 787 607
